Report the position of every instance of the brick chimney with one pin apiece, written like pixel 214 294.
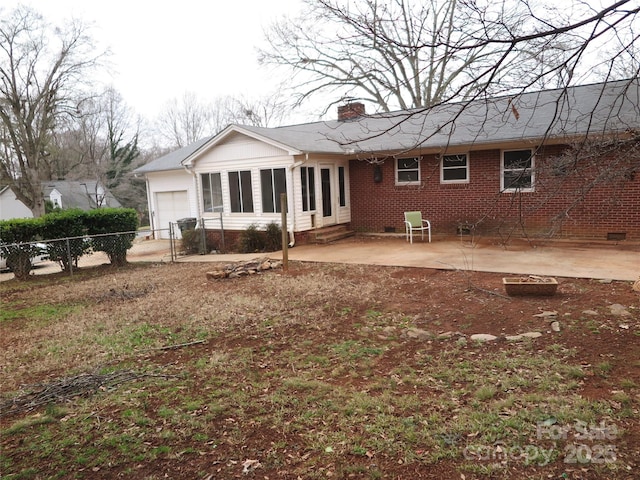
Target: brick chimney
pixel 350 111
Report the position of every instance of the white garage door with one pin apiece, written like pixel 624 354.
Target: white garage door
pixel 170 207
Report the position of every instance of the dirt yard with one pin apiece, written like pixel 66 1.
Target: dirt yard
pixel 324 371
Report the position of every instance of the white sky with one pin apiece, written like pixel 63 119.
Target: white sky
pixel 161 49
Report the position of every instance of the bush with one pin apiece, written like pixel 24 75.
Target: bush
pixel 17 244
pixel 251 240
pixel 192 241
pixel 112 220
pixel 273 240
pixel 62 224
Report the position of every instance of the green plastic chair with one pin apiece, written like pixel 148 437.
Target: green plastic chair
pixel 413 222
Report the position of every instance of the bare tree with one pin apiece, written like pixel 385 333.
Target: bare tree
pixel 42 70
pixel 185 120
pixel 189 118
pixel 399 54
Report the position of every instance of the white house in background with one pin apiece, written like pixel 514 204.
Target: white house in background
pixel 83 194
pixel 11 207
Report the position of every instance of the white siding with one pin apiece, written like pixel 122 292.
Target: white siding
pixel 11 207
pixel 239 153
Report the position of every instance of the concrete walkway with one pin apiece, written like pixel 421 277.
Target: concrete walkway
pixel 598 261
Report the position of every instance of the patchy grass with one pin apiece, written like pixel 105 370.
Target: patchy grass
pixel 296 372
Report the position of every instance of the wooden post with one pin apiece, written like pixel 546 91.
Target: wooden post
pixel 285 235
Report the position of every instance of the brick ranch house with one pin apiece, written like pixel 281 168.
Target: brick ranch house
pixel 562 163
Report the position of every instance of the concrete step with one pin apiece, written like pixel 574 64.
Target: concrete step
pixel 331 234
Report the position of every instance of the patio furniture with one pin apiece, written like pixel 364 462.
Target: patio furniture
pixel 413 222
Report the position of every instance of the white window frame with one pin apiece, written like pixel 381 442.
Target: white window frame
pixel 530 170
pixel 214 207
pixel 443 168
pixel 397 170
pixel 244 209
pixel 271 184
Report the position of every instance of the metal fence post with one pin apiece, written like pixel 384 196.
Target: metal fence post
pixel 69 258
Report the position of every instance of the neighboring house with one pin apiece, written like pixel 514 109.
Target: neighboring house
pixel 83 194
pixel 493 165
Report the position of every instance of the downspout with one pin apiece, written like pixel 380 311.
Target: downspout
pixel 293 210
pixel 152 213
pixel 193 174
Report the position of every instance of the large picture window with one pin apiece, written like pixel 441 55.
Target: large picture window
pixel 454 168
pixel 517 171
pixel 273 182
pixel 240 192
pixel 408 170
pixel 211 192
pixel 308 181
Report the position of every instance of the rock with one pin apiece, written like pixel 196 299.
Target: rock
pixel 513 338
pixel 547 314
pixel 619 310
pixel 389 332
pixel 522 336
pixel 555 326
pixel 251 267
pixel 606 280
pixel 418 334
pixel 590 312
pixel 449 334
pixel 531 335
pixel 216 275
pixel 483 337
pixel 636 285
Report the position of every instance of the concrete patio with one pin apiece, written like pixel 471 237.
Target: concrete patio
pixel 598 260
pixel 619 261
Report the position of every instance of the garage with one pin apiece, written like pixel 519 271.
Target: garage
pixel 170 207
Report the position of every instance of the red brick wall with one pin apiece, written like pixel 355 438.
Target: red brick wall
pixel 608 208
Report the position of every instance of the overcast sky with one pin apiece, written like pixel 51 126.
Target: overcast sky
pixel 162 49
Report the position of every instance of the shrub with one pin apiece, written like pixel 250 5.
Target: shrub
pixel 273 240
pixel 192 241
pixel 17 245
pixel 63 224
pixel 251 240
pixel 112 220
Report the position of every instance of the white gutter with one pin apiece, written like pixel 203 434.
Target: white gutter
pixel 293 210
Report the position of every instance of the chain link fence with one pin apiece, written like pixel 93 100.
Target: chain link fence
pixel 71 253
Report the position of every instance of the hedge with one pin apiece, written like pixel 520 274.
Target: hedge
pixel 18 236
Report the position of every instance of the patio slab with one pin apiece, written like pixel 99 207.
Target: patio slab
pixel 557 259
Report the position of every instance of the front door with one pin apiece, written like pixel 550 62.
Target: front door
pixel 327 175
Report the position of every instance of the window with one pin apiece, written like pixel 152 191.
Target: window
pixel 307 178
pixel 272 183
pixel 454 168
pixel 408 170
pixel 240 192
pixel 517 171
pixel 211 192
pixel 341 187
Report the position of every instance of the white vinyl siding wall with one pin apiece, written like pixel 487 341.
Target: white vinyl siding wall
pixel 242 153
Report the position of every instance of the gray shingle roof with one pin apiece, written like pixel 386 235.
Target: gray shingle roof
pixel 79 194
pixel 611 107
pixel 171 161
